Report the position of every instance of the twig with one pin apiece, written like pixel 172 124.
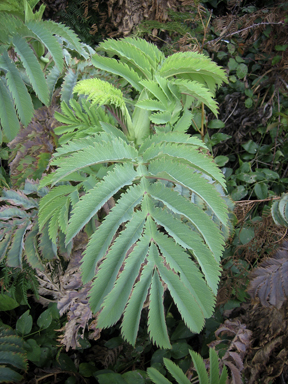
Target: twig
pixel 258 201
pixel 279 241
pixel 231 112
pixel 278 128
pixel 244 29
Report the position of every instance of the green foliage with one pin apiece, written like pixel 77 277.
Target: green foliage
pixel 85 18
pixel 184 30
pixel 19 228
pixel 168 87
pixel 84 122
pixel 178 375
pixel 279 211
pixel 17 282
pixel 24 40
pixel 254 103
pixel 12 356
pixel 160 233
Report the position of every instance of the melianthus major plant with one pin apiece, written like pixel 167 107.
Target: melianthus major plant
pixel 28 45
pixel 166 228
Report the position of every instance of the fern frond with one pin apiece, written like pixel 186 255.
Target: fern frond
pixel 19 92
pixel 8 117
pixel 32 68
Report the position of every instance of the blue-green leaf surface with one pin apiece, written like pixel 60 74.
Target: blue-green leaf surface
pixel 181 206
pixel 190 240
pixel 51 43
pixel 131 319
pixel 32 68
pixel 200 367
pixel 98 153
pixel 189 273
pixel 68 85
pixel 19 91
pixel 90 203
pixel 8 117
pixel 110 267
pixel 116 300
pixel 102 238
pixel 156 318
pixel 157 377
pixel 176 372
pixel 14 255
pixel 118 68
pixel 196 159
pixel 187 177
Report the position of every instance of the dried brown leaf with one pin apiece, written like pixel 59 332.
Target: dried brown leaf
pixel 269 281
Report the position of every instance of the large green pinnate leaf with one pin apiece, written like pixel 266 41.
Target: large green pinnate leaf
pixel 8 117
pixel 32 68
pixel 18 90
pixel 51 43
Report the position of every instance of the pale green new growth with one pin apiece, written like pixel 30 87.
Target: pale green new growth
pixel 164 231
